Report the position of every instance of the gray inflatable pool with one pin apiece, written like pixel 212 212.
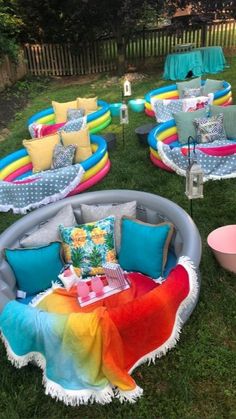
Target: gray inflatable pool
pixel 150 208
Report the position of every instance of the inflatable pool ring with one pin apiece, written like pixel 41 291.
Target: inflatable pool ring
pixel 222 97
pixel 96 121
pixel 17 166
pixel 166 132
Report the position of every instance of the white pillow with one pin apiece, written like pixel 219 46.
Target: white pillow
pixel 91 213
pixel 48 232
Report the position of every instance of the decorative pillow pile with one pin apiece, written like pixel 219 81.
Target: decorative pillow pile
pixel 48 232
pixel 97 212
pixel 194 92
pixel 144 246
pixel 89 246
pixel 41 151
pixel 35 268
pixel 184 123
pixel 75 113
pixel 229 113
pixel 190 84
pixel 210 129
pixel 88 104
pixel 60 110
pixel 82 141
pixel 212 86
pixel 63 156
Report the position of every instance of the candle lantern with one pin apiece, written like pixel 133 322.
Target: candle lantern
pixel 194 176
pixel 127 88
pixel 124 116
pixel 194 181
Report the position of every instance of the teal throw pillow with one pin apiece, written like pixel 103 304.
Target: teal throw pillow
pixel 229 113
pixel 144 246
pixel 35 268
pixel 89 246
pixel 211 86
pixel 185 125
pixel 190 84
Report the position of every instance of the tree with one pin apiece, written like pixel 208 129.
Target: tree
pixel 77 20
pixel 10 26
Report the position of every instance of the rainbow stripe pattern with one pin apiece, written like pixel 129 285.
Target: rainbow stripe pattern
pixel 87 354
pixel 17 166
pixel 222 97
pixel 96 121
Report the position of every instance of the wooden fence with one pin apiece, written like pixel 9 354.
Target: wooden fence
pixel 11 72
pixel 101 55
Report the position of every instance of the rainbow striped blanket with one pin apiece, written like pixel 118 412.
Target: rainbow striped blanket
pixel 87 355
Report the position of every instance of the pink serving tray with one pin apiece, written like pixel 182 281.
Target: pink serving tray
pixel 107 292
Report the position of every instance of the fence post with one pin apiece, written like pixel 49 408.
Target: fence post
pixel 144 49
pixel 204 35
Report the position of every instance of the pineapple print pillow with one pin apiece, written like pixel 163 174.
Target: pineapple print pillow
pixel 89 246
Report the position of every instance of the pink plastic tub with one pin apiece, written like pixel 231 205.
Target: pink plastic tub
pixel 222 242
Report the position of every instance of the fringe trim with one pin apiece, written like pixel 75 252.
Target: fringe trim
pixel 175 335
pixel 68 397
pixel 167 161
pixel 48 199
pixel 104 396
pixel 182 172
pixel 129 396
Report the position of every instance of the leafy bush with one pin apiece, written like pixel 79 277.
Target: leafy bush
pixel 10 26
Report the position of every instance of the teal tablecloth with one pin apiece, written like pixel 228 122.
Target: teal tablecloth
pixel 199 61
pixel 177 66
pixel 213 59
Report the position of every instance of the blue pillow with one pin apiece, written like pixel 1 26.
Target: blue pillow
pixel 35 268
pixel 144 246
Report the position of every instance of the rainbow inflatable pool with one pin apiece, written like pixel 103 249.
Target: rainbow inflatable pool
pixel 18 165
pixel 222 97
pixel 96 121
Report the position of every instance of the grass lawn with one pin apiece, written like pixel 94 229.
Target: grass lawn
pixel 197 379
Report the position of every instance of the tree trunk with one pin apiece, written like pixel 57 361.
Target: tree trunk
pixel 120 54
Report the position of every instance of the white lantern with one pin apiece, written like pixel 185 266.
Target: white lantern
pixel 124 116
pixel 194 181
pixel 127 88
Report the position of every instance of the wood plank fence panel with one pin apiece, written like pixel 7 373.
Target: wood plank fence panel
pixel 101 55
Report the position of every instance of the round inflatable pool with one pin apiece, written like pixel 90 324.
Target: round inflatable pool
pixel 96 121
pixel 222 97
pixel 17 165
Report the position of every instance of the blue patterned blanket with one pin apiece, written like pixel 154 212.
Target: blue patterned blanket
pixel 217 159
pixel 39 189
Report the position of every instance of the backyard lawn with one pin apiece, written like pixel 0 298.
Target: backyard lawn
pixel 197 379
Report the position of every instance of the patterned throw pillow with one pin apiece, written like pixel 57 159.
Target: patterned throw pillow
pixel 75 113
pixel 192 92
pixel 63 156
pixel 74 125
pixel 89 246
pixel 210 129
pixel 164 108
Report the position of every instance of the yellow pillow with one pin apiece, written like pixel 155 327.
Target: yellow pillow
pixel 41 151
pixel 88 104
pixel 82 141
pixel 60 110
